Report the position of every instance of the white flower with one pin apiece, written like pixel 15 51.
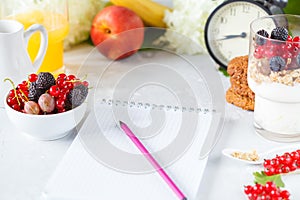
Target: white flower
pixel 188 19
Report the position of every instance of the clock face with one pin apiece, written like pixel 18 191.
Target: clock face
pixel 228 28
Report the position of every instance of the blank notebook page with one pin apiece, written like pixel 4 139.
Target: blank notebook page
pixel 89 172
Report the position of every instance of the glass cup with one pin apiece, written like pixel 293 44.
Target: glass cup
pixel 53 15
pixel 274 76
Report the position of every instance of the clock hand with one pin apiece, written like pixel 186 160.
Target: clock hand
pixel 242 35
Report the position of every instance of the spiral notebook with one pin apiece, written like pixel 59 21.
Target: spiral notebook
pixel 170 101
pixel 87 172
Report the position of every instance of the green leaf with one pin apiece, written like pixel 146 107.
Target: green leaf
pixel 224 71
pixel 89 41
pixel 262 178
pixel 292 7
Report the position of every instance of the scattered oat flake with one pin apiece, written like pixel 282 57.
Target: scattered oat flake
pixel 250 156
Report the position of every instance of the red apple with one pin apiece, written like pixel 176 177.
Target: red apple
pixel 117 32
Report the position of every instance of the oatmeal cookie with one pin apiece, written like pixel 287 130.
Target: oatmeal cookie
pixel 239 93
pixel 243 102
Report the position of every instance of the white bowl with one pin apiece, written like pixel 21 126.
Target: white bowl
pixel 46 127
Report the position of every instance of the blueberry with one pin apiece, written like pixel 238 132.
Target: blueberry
pixel 277 63
pixel 261 36
pixel 280 33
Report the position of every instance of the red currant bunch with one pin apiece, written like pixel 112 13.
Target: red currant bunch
pixel 269 191
pixel 285 163
pixel 18 96
pixel 64 88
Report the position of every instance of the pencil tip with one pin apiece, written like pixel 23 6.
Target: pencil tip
pixel 184 198
pixel 121 123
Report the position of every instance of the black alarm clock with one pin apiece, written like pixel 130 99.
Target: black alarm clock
pixel 227 28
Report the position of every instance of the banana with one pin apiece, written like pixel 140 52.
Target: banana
pixel 151 13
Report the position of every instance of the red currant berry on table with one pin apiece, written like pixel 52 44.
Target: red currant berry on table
pixel 26 92
pixel 268 191
pixel 61 76
pixel 16 107
pixel 71 78
pixel 25 83
pixel 288 47
pixel 287 158
pixel 269 171
pixel 60 104
pixel 11 93
pixel 11 101
pixel 284 194
pixel 248 189
pixel 296 41
pixel 289 39
pixel 257 188
pixel 69 85
pixel 32 77
pixel 285 169
pixel 22 86
pixel 295 155
pixel 61 83
pixel 54 91
pixel 293 166
pixel 85 83
pixel 62 96
pixel 285 163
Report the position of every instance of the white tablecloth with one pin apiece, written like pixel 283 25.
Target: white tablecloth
pixel 26 164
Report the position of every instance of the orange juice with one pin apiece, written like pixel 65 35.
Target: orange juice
pixel 57 27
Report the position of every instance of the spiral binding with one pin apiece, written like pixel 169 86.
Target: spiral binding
pixel 132 104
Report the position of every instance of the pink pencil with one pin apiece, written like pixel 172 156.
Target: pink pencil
pixel 154 163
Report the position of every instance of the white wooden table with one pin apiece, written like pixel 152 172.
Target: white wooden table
pixel 26 164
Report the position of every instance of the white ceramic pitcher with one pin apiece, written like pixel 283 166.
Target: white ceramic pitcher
pixel 14 59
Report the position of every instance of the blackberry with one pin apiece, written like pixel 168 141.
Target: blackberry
pixel 277 63
pixel 280 33
pixel 45 80
pixel 261 40
pixel 34 93
pixel 77 95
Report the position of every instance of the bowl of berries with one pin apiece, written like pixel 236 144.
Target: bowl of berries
pixel 274 76
pixel 45 107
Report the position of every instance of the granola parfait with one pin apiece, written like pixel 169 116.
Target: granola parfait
pixel 274 76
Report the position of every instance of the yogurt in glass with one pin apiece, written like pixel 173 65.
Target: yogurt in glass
pixel 274 76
